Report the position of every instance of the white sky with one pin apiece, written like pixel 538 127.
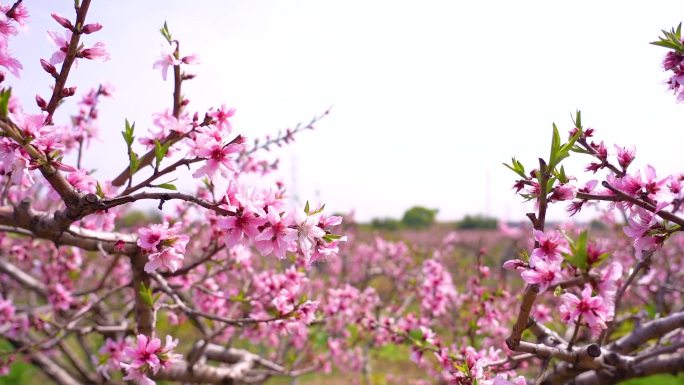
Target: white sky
pixel 429 97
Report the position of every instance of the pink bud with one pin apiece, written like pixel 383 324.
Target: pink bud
pixel 42 104
pixel 63 21
pixel 90 28
pixel 68 91
pixel 120 246
pixel 49 68
pixel 190 59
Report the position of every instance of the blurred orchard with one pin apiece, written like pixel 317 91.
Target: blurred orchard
pixel 230 283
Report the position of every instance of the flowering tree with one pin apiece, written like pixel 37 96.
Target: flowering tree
pixel 87 301
pixel 226 287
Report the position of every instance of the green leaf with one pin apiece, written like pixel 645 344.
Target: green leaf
pixel 98 191
pixel 4 101
pixel 306 208
pixel 557 291
pixel 416 334
pixel 560 174
pixel 578 119
pixel 666 44
pixel 331 237
pixel 128 134
pixel 160 151
pixel 165 32
pixel 578 252
pixel 555 146
pixel 135 163
pixel 516 167
pixel 167 186
pixel 146 295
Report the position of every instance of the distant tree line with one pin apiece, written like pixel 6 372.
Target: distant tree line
pixel 419 217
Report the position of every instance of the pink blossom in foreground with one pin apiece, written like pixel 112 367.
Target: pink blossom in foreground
pixel 552 245
pixel 244 224
pixel 562 192
pixel 308 232
pixel 219 157
pixel 277 237
pixel 593 309
pixel 625 156
pixel 6 60
pixel 220 117
pixel 147 357
pixel 167 59
pixel 541 273
pixel 96 52
pixel 165 245
pixel 608 283
pixel 62 43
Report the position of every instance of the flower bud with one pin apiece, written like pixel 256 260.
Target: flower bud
pixel 63 21
pixel 42 104
pixel 68 91
pixel 49 68
pixel 90 28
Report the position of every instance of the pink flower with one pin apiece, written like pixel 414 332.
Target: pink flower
pixel 639 223
pixel 166 246
pixel 542 273
pixel 149 237
pixel 592 309
pixel 59 297
pixel 552 245
pixel 112 354
pixel 244 223
pixel 167 59
pixel 563 192
pixel 170 257
pixel 625 156
pixel 220 117
pixel 6 60
pixel 217 156
pixel 145 353
pixel 62 43
pixel 7 311
pixel 147 358
pixel 277 238
pixel 308 231
pixel 608 283
pixel 96 52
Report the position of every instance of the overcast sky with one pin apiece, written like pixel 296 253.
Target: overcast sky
pixel 429 97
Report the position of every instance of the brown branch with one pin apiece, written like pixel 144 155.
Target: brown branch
pixel 48 366
pixel 25 280
pixel 647 331
pixel 40 225
pixel 164 196
pixel 668 216
pixel 672 363
pixel 72 51
pixel 585 357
